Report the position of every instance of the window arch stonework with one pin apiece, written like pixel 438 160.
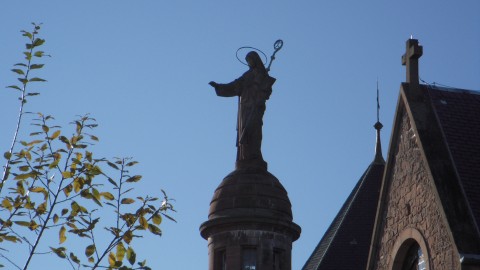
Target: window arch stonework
pixel 408 238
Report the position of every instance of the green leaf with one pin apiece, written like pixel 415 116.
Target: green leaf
pixel 74 258
pixel 7 155
pixel 131 163
pixel 36 66
pixel 28 55
pixel 18 71
pixel 127 201
pixel 65 140
pixel 22 80
pixel 135 178
pixel 36 79
pixel 112 182
pixel 131 256
pixel 38 42
pixel 90 250
pixel 20 65
pixel 39 54
pixel 22 223
pixel 14 87
pixel 59 251
pixel 61 234
pixel 154 229
pixel 112 165
pixel 27 34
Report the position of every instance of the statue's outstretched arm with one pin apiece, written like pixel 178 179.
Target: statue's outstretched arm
pixel 228 89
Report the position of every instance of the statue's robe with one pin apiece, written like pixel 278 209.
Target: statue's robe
pixel 253 89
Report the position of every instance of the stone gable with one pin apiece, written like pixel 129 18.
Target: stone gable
pixel 412 204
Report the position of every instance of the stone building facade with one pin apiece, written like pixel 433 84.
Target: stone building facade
pixel 428 211
pixel 413 210
pixel 428 206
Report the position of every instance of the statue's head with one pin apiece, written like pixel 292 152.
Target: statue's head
pixel 254 60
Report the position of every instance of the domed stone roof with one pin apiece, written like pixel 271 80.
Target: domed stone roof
pixel 250 193
pixel 250 198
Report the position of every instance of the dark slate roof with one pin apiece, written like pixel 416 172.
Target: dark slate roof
pixel 346 243
pixel 458 113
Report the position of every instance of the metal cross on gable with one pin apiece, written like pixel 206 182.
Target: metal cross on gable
pixel 410 59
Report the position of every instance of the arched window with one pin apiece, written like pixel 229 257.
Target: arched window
pixel 414 259
pixel 410 251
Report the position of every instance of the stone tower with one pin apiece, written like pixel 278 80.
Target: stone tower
pixel 250 224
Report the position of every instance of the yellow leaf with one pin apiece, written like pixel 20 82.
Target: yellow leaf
pixel 67 190
pixel 78 184
pixel 120 252
pixel 67 174
pixel 62 234
pixel 55 219
pixel 33 225
pixel 131 256
pixel 127 201
pixel 111 259
pixel 37 189
pixel 90 250
pixel 143 221
pixel 42 208
pixel 107 196
pixel 157 219
pixel 128 236
pixel 6 204
pixel 55 135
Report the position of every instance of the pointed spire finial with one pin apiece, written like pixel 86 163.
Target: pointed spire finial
pixel 378 104
pixel 378 126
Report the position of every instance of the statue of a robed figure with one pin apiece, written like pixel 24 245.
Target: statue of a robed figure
pixel 253 88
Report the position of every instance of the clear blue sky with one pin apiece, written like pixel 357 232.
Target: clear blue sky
pixel 142 68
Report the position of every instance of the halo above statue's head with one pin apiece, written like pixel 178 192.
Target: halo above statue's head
pixel 243 51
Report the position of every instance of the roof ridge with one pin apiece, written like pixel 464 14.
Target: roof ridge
pixel 446 88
